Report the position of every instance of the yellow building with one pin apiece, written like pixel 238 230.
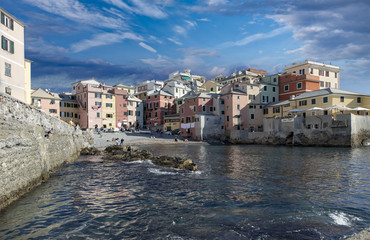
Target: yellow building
pixel 171 123
pixel 109 110
pixel 129 89
pixel 212 87
pixel 321 102
pixel 69 108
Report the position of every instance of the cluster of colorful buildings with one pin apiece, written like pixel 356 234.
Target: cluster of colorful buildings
pixel 184 103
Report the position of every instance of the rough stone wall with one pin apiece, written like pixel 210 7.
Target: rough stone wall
pixel 360 131
pixel 32 145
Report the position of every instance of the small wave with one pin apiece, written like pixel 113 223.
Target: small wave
pixel 159 172
pixel 341 218
pixel 142 161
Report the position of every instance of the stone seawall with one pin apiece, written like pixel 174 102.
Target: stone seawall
pixel 346 130
pixel 32 145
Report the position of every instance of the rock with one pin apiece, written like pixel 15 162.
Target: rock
pixel 129 154
pixel 90 151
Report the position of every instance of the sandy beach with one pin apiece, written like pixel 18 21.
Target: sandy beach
pixel 137 139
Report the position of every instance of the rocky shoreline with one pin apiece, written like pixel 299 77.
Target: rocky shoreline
pixel 130 154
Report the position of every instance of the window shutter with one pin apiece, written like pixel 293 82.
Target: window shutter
pixel 11 47
pixel 2 18
pixel 11 24
pixel 3 43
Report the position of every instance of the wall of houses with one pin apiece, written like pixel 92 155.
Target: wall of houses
pixel 32 145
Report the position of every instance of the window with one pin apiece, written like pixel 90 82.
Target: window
pixel 336 75
pixel 7 21
pixel 182 110
pixel 252 97
pixel 109 105
pixel 266 111
pixel 325 99
pixel 155 114
pixel 204 99
pixel 109 115
pixel 97 103
pixel 195 108
pixel 286 88
pixel 326 73
pixel 276 110
pixel 327 84
pixel 165 104
pixel 204 108
pixel 303 103
pixel 299 85
pixel 211 89
pixel 263 98
pixel 8 69
pixel 311 70
pixel 321 72
pixel 252 116
pixel 182 120
pixel 313 101
pixel 265 88
pixel 341 98
pixel 359 100
pixel 238 97
pixel 97 95
pixel 238 107
pixel 301 71
pixel 7 44
pixel 322 84
pixel 52 101
pixel 108 96
pixel 52 111
pixel 274 79
pixel 273 89
pixel 227 118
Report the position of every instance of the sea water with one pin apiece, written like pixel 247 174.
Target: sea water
pixel 240 192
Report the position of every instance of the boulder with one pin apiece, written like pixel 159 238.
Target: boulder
pixel 90 151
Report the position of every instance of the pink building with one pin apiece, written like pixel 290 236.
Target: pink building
pixel 121 106
pixel 158 105
pixel 89 97
pixel 193 103
pixel 46 101
pixel 242 107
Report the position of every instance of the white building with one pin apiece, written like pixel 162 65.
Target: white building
pixel 14 69
pixel 328 74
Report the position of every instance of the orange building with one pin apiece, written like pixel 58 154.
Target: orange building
pixel 293 85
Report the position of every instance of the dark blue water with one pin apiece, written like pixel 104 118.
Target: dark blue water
pixel 242 192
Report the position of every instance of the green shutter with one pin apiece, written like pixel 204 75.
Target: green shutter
pixel 11 47
pixel 2 18
pixel 11 24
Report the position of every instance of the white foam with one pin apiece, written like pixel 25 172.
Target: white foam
pixel 341 218
pixel 159 172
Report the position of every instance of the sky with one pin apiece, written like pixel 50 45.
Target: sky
pixel 130 41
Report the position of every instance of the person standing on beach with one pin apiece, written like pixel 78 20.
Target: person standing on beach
pixel 122 141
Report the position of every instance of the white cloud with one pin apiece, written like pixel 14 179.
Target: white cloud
pixel 217 2
pixel 174 41
pixel 155 39
pixel 256 37
pixel 147 47
pixel 204 20
pixel 217 71
pixel 104 39
pixel 180 30
pixel 159 62
pixel 140 7
pixel 76 11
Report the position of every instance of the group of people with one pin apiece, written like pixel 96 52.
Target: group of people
pixel 118 142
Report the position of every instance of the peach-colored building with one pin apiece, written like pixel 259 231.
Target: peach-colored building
pixel 135 112
pixel 15 70
pixel 46 101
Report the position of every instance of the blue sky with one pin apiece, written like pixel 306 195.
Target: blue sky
pixel 129 41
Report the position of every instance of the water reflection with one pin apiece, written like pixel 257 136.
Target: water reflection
pixel 243 192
